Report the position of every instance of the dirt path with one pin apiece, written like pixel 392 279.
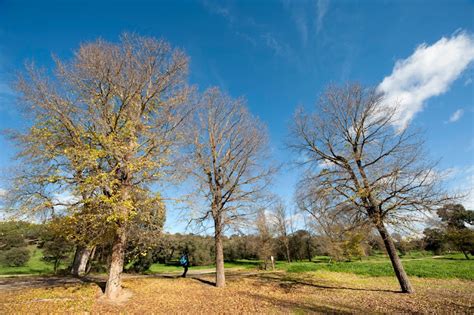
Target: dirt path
pixel 31 281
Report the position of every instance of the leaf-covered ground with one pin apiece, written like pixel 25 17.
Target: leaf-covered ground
pixel 254 292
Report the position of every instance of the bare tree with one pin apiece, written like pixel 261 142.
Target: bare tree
pixel 339 228
pixel 282 226
pixel 228 153
pixel 357 158
pixel 265 239
pixel 104 126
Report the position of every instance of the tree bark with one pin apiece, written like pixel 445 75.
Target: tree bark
pixel 91 257
pixel 220 274
pixel 113 287
pixel 287 246
pixel 396 262
pixel 81 259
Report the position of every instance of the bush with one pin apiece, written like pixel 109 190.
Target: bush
pixel 15 257
pixel 141 263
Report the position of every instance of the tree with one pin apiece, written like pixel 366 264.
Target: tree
pixel 358 159
pixel 264 239
pixel 434 240
pixel 301 245
pixel 282 223
pixel 228 155
pixel 13 250
pixel 456 217
pixel 104 127
pixel 341 232
pixel 144 231
pixel 15 257
pixel 56 246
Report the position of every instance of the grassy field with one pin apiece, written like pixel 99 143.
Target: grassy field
pixel 438 267
pixel 419 264
pixel 35 265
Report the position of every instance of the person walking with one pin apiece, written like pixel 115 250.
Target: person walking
pixel 184 262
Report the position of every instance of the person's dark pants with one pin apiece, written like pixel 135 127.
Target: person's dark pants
pixel 185 271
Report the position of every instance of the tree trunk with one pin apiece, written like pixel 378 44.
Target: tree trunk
pixel 287 252
pixel 91 258
pixel 396 262
pixel 56 265
pixel 220 275
pixel 113 287
pixel 308 249
pixel 81 259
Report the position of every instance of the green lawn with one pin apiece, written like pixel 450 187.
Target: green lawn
pixel 241 264
pixel 34 266
pixel 448 266
pixel 419 264
pixel 416 264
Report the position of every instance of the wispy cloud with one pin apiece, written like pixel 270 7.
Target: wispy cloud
pixel 428 72
pixel 278 47
pixel 234 20
pixel 322 7
pixel 456 116
pixel 217 8
pixel 298 11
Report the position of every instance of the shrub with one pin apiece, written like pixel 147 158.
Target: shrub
pixel 15 257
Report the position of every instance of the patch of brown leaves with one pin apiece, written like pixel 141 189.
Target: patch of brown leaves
pixel 316 292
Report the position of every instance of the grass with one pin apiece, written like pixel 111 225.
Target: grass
pixel 420 264
pixel 34 266
pixel 443 267
pixel 240 264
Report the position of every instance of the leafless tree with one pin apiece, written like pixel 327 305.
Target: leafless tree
pixel 337 227
pixel 229 164
pixel 264 238
pixel 282 225
pixel 358 159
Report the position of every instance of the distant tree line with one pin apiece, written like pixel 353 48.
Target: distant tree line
pixel 450 233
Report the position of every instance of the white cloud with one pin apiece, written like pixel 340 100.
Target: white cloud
pixel 3 192
pixel 456 116
pixel 325 164
pixel 322 7
pixel 428 72
pixel 279 48
pixel 298 12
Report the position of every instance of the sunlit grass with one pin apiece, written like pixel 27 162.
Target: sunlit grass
pixel 34 266
pixel 419 264
pixel 444 267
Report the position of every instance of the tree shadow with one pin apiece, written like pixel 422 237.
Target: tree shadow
pixel 284 282
pixel 297 306
pixel 208 282
pixel 245 263
pixel 99 282
pixel 452 258
pixel 168 276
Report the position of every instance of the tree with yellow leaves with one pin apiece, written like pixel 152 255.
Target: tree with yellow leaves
pixel 104 126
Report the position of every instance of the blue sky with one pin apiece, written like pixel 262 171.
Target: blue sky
pixel 279 55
